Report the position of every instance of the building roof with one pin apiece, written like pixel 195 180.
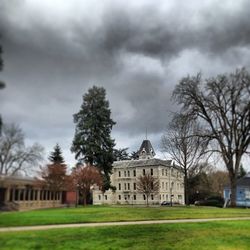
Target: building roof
pixel 142 163
pixel 244 181
pixel 147 147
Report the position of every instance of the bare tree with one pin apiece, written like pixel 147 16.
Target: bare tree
pixel 222 105
pixel 147 185
pixel 14 156
pixel 184 147
pixel 84 177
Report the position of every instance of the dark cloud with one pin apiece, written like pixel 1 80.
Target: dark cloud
pixel 138 50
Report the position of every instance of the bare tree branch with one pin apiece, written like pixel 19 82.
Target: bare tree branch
pixel 222 106
pixel 14 156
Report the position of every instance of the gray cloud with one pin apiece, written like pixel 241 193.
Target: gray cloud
pixel 55 50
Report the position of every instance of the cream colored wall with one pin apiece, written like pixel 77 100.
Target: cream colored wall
pixel 165 191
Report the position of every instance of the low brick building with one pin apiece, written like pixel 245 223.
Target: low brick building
pixel 22 193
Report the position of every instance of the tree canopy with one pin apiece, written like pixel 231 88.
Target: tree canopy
pixel 56 155
pixel 147 185
pixel 184 146
pixel 222 105
pixel 92 142
pixel 121 154
pixel 15 157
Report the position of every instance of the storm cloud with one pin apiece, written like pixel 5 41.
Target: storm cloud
pixel 138 50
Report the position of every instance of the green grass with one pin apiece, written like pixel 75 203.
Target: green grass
pixel 111 213
pixel 202 236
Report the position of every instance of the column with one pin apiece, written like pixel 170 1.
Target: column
pixel 13 194
pixel 19 194
pixel 7 195
pixel 38 195
pixel 29 194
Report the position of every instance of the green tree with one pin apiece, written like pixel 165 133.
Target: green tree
pixel 242 171
pixel 56 155
pixel 134 155
pixel 92 142
pixel 121 154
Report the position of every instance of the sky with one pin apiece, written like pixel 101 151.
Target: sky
pixel 54 51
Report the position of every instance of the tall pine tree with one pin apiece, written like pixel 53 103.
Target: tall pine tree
pixel 92 142
pixel 56 155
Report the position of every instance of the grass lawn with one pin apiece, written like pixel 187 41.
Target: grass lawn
pixel 111 213
pixel 209 235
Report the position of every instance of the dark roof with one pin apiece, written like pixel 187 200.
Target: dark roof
pixel 244 181
pixel 143 163
pixel 147 146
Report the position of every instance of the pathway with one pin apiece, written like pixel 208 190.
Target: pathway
pixel 101 224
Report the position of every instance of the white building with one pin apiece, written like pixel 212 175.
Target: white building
pixel 126 173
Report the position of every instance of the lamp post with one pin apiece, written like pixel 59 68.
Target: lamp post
pixel 171 195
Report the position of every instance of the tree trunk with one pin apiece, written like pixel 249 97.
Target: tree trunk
pixel 233 184
pixel 85 199
pixel 147 200
pixel 186 188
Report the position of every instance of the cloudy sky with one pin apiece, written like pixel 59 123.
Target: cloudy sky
pixel 138 50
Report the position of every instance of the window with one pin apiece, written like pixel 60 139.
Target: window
pixel 163 196
pixel 152 197
pixel 128 186
pixel 143 171
pixel 166 197
pixel 172 172
pixel 125 174
pixel 162 185
pixel 119 197
pixel 119 186
pixel 128 174
pixel 125 186
pixel 128 197
pixel 134 197
pixel 166 172
pixel 119 173
pixel 179 197
pixel 166 186
pixel 152 171
pixel 106 197
pixel 144 197
pixel 134 186
pixel 134 172
pixel 162 172
pixel 99 196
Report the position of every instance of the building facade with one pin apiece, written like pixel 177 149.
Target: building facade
pixel 125 178
pixel 23 193
pixel 242 192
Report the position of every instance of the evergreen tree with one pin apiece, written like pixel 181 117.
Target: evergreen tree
pixel 242 171
pixel 56 155
pixel 92 142
pixel 121 154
